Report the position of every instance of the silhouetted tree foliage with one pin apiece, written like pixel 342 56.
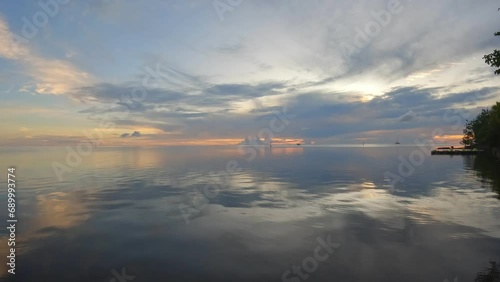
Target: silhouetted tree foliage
pixel 484 130
pixel 491 274
pixel 493 59
pixel 474 130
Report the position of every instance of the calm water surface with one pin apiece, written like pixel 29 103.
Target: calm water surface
pixel 119 211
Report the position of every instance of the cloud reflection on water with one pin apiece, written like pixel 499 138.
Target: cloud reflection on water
pixel 265 220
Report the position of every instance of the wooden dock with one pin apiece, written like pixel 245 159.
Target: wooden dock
pixel 455 152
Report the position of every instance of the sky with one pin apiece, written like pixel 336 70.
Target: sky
pixel 215 72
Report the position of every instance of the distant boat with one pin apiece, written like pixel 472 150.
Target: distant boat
pixel 298 144
pixel 397 143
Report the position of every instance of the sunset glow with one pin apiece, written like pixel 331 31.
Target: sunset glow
pixel 221 84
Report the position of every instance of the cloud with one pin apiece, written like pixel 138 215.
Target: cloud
pixel 255 141
pixel 319 114
pixel 10 48
pixel 168 103
pixel 51 76
pixel 317 117
pixel 409 116
pixel 133 134
pixel 226 80
pixel 232 45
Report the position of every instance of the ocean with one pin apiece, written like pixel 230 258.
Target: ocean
pixel 228 213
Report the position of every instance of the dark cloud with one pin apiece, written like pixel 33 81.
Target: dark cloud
pixel 203 110
pixel 318 114
pixel 134 134
pixel 409 116
pixel 212 96
pixel 317 117
pixel 125 93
